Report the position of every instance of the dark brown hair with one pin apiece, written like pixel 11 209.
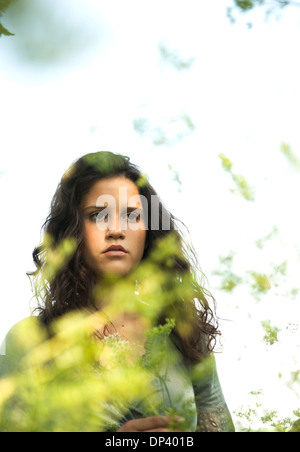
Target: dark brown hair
pixel 72 286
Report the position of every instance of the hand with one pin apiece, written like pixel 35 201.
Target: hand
pixel 147 424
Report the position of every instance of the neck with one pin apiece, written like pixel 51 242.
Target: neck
pixel 110 290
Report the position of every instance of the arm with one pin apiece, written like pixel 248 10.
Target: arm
pixel 212 411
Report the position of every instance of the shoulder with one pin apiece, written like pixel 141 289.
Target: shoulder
pixel 24 329
pixel 20 339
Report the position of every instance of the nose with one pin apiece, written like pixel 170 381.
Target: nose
pixel 116 229
pixel 115 234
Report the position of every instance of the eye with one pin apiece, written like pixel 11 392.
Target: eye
pixel 98 216
pixel 133 216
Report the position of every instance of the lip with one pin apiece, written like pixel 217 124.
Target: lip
pixel 115 250
pixel 115 253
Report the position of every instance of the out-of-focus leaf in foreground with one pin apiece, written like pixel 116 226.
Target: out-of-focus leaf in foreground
pixel 242 186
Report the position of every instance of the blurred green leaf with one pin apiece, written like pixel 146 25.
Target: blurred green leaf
pixel 260 243
pixel 242 186
pixel 262 282
pixel 296 427
pixel 172 58
pixel 228 279
pixel 268 6
pixel 3 5
pixel 4 32
pixel 176 177
pixel 169 132
pixel 291 157
pixel 271 333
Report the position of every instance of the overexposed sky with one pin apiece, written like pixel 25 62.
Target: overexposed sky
pixel 242 94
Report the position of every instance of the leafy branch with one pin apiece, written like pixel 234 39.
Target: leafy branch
pixel 242 186
pixel 3 5
pixel 173 58
pixel 271 6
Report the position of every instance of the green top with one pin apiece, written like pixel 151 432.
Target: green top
pixel 193 390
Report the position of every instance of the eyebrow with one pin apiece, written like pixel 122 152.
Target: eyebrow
pixel 101 208
pixel 94 207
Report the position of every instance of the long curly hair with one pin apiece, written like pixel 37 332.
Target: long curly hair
pixel 72 286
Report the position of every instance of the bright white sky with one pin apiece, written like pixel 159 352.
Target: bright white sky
pixel 243 96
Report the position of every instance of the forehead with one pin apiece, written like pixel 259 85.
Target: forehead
pixel 110 186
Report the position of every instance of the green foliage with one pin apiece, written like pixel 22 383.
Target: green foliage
pixel 105 162
pixel 296 427
pixel 291 157
pixel 143 180
pixel 260 243
pixel 279 425
pixel 154 290
pixel 242 186
pixel 176 177
pixel 258 283
pixel 172 57
pixel 271 336
pixel 269 6
pixel 261 282
pixel 3 5
pixel 4 31
pixel 72 382
pixel 229 279
pixel 60 384
pixel 246 5
pixel 247 416
pixel 71 379
pixel 255 418
pixel 169 132
pixel 156 345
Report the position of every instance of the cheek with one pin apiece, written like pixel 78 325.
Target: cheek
pixel 138 240
pixel 89 236
pixel 92 239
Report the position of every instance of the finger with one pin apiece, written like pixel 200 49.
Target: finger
pixel 143 424
pixel 149 424
pixel 153 422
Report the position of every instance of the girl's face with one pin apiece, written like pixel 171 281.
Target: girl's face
pixel 112 211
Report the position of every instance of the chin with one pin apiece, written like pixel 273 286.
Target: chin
pixel 116 271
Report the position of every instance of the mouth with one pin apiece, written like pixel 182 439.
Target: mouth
pixel 115 250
